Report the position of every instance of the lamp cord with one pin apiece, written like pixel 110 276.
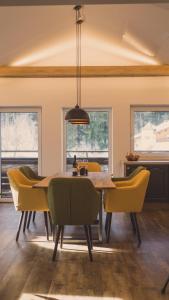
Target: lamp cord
pixel 79 21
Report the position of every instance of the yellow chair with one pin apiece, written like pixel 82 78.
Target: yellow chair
pixel 27 198
pixel 91 166
pixel 30 174
pixel 126 197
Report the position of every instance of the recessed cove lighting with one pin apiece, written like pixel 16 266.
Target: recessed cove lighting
pixel 138 45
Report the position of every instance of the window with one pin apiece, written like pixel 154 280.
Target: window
pixel 19 142
pixel 89 142
pixel 150 129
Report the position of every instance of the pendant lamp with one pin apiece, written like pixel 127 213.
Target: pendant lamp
pixel 77 115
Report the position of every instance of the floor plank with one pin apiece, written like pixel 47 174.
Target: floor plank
pixel 120 270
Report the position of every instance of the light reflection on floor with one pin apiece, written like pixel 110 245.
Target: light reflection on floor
pixel 74 246
pixel 26 296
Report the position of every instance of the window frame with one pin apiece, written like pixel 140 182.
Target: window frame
pixel 107 109
pixel 146 154
pixel 27 109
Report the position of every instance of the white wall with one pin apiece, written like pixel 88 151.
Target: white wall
pixel 54 94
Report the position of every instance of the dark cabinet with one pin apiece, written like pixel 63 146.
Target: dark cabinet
pixel 158 187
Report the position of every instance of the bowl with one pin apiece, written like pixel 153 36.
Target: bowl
pixel 132 157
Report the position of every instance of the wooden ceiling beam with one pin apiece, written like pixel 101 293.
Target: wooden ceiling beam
pixel 88 71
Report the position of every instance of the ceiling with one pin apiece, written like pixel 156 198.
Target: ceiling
pixel 130 34
pixel 73 2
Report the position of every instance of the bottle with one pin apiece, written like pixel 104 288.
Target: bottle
pixel 86 171
pixel 74 172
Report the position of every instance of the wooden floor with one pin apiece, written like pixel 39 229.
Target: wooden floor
pixel 120 270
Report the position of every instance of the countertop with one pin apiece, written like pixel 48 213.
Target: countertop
pixel 148 162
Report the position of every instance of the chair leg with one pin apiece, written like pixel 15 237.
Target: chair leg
pixel 20 224
pixel 137 229
pixel 25 221
pixel 165 285
pixel 108 217
pixel 90 235
pixel 50 222
pixel 34 214
pixel 106 224
pixel 56 242
pixel 133 223
pixel 88 242
pixel 54 231
pixel 29 219
pixel 46 224
pixel 61 237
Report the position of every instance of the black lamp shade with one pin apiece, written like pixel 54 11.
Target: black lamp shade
pixel 77 116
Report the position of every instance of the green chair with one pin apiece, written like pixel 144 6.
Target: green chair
pixel 73 201
pixel 30 174
pixel 132 174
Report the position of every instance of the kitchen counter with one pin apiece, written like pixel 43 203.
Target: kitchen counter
pixel 147 162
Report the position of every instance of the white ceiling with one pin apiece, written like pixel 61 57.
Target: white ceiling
pixel 45 35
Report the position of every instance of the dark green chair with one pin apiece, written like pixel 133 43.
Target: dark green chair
pixel 30 174
pixel 73 201
pixel 132 174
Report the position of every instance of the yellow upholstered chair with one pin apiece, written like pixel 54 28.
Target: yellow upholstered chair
pixel 31 175
pixel 128 196
pixel 91 166
pixel 27 198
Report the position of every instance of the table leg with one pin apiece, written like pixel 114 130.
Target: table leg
pixel 101 218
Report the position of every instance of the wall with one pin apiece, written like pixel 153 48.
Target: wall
pixel 52 94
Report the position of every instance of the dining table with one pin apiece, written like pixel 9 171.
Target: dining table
pixel 101 181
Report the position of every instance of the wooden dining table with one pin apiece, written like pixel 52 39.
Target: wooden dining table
pixel 100 180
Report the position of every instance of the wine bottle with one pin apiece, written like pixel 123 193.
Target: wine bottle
pixel 75 172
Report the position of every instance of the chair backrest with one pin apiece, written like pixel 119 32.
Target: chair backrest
pixel 16 178
pixel 128 198
pixel 135 172
pixel 139 185
pixel 91 166
pixel 130 176
pixel 24 196
pixel 28 172
pixel 73 201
